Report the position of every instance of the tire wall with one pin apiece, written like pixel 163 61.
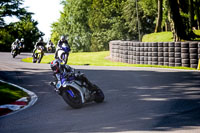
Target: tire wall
pixel 178 54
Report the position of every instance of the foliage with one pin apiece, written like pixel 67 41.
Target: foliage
pixel 91 24
pixel 73 24
pixel 11 8
pixel 25 27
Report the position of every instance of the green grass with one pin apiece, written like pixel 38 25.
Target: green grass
pixel 158 37
pixel 9 93
pixel 164 37
pixel 96 59
pixel 197 32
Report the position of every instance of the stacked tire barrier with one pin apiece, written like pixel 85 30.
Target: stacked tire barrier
pixel 178 54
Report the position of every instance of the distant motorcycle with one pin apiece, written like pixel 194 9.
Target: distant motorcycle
pixel 38 55
pixel 15 51
pixel 74 93
pixel 63 53
pixel 50 48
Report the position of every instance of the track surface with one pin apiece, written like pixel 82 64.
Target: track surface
pixel 137 100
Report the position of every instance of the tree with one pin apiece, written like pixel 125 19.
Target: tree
pixel 159 19
pixel 11 8
pixel 73 23
pixel 25 27
pixel 181 13
pixel 191 14
pixel 197 3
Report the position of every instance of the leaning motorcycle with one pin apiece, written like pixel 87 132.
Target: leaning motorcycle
pixel 63 53
pixel 38 55
pixel 74 93
pixel 15 51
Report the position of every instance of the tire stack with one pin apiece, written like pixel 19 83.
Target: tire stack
pixel 178 54
pixel 125 52
pixel 149 53
pixel 160 54
pixel 154 53
pixel 134 53
pixel 166 53
pixel 137 52
pixel 115 51
pixel 118 51
pixel 130 53
pixel 146 53
pixel 171 54
pixel 193 51
pixel 141 53
pixel 185 54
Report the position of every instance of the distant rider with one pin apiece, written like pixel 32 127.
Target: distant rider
pixel 59 46
pixel 39 43
pixel 50 43
pixel 15 43
pixel 21 45
pixel 68 72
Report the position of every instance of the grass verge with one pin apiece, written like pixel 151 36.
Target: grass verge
pixel 97 59
pixel 9 93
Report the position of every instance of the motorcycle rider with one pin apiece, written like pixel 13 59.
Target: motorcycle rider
pixel 67 71
pixel 39 43
pixel 15 43
pixel 59 45
pixel 49 44
pixel 21 45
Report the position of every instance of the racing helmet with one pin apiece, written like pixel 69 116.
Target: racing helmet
pixel 22 40
pixel 62 38
pixel 40 39
pixel 55 66
pixel 17 40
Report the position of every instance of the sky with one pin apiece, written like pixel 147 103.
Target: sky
pixel 45 13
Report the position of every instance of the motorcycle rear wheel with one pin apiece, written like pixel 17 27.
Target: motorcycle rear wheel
pixel 74 101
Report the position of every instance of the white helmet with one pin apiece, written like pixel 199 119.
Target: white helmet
pixel 62 38
pixel 22 39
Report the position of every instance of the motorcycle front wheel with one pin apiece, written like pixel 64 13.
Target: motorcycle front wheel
pixel 99 96
pixel 72 97
pixel 64 58
pixel 35 58
pixel 40 58
pixel 14 54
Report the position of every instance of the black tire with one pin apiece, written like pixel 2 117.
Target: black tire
pixel 34 58
pixel 40 58
pixel 99 96
pixel 185 45
pixel 14 54
pixel 75 101
pixel 66 58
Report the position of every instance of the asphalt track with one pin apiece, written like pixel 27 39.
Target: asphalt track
pixel 137 100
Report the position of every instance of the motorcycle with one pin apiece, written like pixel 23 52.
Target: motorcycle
pixel 15 51
pixel 64 53
pixel 50 48
pixel 38 55
pixel 74 93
